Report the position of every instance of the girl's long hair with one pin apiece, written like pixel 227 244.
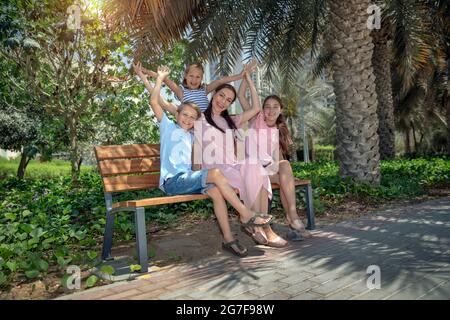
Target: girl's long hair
pixel 224 113
pixel 285 136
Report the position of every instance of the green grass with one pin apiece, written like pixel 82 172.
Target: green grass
pixel 37 169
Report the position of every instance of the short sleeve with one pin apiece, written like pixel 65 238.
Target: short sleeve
pixel 258 122
pixel 166 124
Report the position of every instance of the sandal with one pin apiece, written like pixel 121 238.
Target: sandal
pixel 251 222
pixel 249 228
pixel 278 242
pixel 235 248
pixel 294 235
pixel 302 231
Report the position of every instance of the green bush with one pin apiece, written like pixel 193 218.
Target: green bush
pixel 323 153
pixel 399 179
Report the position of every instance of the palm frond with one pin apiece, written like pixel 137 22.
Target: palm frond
pixel 412 37
pixel 153 24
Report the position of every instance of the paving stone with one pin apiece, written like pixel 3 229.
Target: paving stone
pixel 340 295
pixel 307 296
pixel 440 293
pixel 300 287
pixel 122 295
pixel 298 277
pixel 275 296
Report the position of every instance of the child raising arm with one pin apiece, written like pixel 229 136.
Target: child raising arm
pixel 192 89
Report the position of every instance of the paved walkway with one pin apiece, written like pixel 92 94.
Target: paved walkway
pixel 410 245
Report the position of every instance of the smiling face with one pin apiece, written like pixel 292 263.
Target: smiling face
pixel 222 100
pixel 272 110
pixel 193 77
pixel 187 116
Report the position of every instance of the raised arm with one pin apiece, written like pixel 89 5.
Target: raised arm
pixel 142 73
pixel 245 104
pixel 248 68
pixel 154 99
pixel 256 105
pixel 172 85
pixel 216 83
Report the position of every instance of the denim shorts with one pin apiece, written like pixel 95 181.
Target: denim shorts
pixel 192 182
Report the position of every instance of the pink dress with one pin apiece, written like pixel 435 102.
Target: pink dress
pixel 218 151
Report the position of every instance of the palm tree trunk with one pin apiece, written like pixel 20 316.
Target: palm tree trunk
pixel 385 111
pixel 354 84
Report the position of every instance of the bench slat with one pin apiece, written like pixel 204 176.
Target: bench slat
pixel 126 151
pixel 114 167
pixel 297 183
pixel 128 183
pixel 159 200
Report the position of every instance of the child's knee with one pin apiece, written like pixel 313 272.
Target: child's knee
pixel 214 174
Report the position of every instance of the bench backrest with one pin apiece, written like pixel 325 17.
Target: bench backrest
pixel 128 167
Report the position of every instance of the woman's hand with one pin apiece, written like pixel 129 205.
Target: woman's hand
pixel 138 69
pixel 150 73
pixel 163 72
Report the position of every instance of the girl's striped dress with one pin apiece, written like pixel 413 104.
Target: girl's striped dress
pixel 197 96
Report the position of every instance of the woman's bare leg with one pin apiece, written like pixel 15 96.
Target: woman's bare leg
pixel 216 177
pixel 221 212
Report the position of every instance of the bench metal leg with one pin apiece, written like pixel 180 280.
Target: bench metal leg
pixel 109 228
pixel 107 242
pixel 309 207
pixel 141 238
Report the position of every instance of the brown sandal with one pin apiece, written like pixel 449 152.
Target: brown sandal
pixel 235 248
pixel 249 228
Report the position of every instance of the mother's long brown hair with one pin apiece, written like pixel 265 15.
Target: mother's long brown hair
pixel 285 136
pixel 224 113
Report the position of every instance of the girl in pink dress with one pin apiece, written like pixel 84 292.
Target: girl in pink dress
pixel 270 119
pixel 216 140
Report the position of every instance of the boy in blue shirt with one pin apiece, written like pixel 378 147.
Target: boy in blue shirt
pixel 177 176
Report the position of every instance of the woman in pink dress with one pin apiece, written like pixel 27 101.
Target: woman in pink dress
pixel 271 120
pixel 217 138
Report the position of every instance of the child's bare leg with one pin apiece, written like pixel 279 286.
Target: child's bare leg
pixel 287 187
pixel 284 201
pixel 288 199
pixel 221 212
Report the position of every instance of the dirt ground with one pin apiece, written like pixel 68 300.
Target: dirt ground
pixel 193 239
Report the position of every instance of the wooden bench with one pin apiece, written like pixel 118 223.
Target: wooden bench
pixel 136 167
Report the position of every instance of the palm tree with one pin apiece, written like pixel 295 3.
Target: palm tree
pixel 279 33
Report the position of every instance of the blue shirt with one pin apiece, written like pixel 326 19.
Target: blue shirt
pixel 197 96
pixel 176 149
